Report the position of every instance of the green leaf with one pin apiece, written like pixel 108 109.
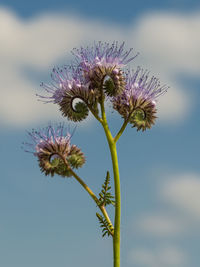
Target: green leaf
pixel 107 228
pixel 105 197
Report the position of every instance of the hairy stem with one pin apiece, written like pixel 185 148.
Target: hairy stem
pixel 113 151
pixel 126 121
pixel 91 193
pixel 121 130
pixel 94 114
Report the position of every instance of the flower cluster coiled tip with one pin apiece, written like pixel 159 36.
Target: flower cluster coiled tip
pixel 51 145
pixel 97 73
pixel 137 103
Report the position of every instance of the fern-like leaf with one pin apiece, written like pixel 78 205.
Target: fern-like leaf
pixel 105 197
pixel 107 228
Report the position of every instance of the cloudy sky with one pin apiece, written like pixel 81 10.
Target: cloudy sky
pixel 51 222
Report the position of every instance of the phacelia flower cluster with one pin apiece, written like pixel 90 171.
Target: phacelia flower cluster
pixel 97 73
pixel 68 86
pixel 137 103
pixel 53 149
pixel 63 79
pixel 103 60
pixel 102 54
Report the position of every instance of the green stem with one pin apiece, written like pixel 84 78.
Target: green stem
pixel 116 239
pixel 101 207
pixel 113 151
pixel 91 193
pixel 94 114
pixel 126 121
pixel 121 130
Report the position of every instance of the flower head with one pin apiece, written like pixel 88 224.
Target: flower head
pixel 137 103
pixel 67 86
pixel 52 147
pixel 102 54
pixel 103 60
pixel 63 79
pixel 95 73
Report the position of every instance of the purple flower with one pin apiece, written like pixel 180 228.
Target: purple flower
pixel 50 145
pixel 96 72
pixel 103 60
pixel 102 55
pixel 137 103
pixel 68 84
pixel 63 80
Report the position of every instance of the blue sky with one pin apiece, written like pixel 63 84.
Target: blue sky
pixel 52 222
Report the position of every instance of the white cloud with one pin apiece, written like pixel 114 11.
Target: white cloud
pixel 171 41
pixel 20 105
pixel 37 44
pixel 169 45
pixel 168 256
pixel 40 42
pixel 183 192
pixel 175 104
pixel 177 219
pixel 159 225
pixel 179 196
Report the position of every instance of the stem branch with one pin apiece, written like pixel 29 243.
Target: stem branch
pixel 91 193
pixel 126 121
pixel 121 130
pixel 113 151
pixel 94 114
